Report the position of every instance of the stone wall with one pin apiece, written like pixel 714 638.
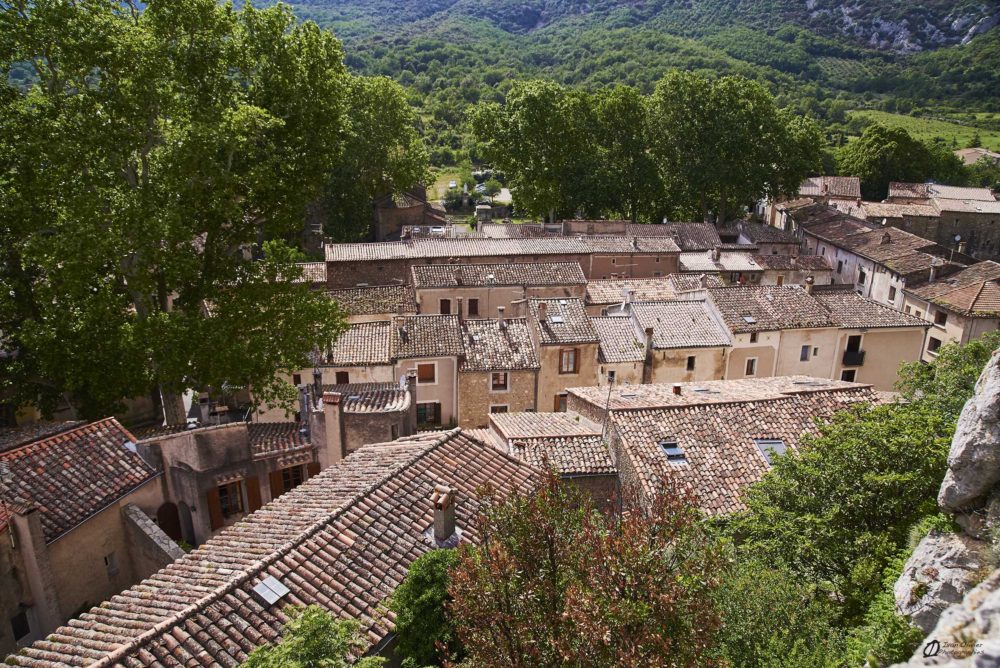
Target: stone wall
pixel 475 396
pixel 149 548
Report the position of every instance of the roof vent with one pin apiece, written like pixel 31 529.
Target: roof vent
pixel 269 591
pixel 562 302
pixel 673 450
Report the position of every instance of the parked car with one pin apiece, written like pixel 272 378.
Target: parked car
pixel 452 184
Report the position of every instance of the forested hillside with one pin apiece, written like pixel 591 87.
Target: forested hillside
pixel 821 57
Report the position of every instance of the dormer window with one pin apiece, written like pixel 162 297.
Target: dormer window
pixel 672 450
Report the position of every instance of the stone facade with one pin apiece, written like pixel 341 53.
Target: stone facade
pixel 478 399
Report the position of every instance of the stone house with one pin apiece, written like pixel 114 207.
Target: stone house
pixel 794 270
pixel 498 372
pixel 685 341
pixel 960 307
pixel 362 413
pixel 431 346
pixel 362 354
pixel 826 190
pixel 483 288
pixel 768 240
pixel 621 354
pixel 611 296
pixel 74 524
pixel 393 212
pixel 567 348
pixel 735 267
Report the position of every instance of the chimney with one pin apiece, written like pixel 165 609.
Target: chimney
pixel 810 281
pixel 793 262
pixel 317 383
pixel 333 423
pixel 635 243
pixel 933 275
pixel 886 239
pixel 716 253
pixel 400 323
pixel 458 277
pixel 400 309
pixel 677 389
pixel 703 281
pixel 443 499
pixel 503 322
pixel 461 311
pixel 542 308
pixel 304 405
pixel 647 364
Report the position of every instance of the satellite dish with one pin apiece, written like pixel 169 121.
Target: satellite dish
pixel 958 237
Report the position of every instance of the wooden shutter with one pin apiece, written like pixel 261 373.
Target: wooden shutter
pixel 277 484
pixel 214 509
pixel 253 493
pixel 312 468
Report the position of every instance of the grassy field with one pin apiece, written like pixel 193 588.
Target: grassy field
pixel 441 178
pixel 928 129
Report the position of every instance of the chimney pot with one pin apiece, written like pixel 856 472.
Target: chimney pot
pixel 716 253
pixel 443 499
pixel 542 308
pixel 500 311
pixel 677 389
pixel 810 281
pixel 703 280
pixel 886 239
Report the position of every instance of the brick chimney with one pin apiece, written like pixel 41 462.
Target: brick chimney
pixel 810 283
pixel 500 318
pixel 37 568
pixel 542 309
pixel 461 311
pixel 677 389
pixel 328 429
pixel 443 500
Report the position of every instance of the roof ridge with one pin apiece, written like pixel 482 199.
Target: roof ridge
pixel 258 566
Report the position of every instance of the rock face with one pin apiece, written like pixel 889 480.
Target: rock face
pixel 943 567
pixel 974 460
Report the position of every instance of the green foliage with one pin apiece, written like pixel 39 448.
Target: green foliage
pixel 884 637
pixel 841 509
pixel 883 155
pixel 950 380
pixel 420 604
pixel 773 619
pixel 312 638
pixel 139 170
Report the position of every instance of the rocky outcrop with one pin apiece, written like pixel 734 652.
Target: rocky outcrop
pixel 974 460
pixel 942 568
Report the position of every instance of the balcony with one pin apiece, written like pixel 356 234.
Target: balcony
pixel 856 358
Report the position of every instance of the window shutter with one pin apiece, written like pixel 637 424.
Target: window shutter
pixel 214 509
pixel 312 468
pixel 277 485
pixel 253 493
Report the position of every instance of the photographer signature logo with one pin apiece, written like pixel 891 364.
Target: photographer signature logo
pixel 935 648
pixel 931 649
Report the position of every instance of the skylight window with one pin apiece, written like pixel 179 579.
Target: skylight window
pixel 769 447
pixel 557 320
pixel 269 591
pixel 749 319
pixel 672 449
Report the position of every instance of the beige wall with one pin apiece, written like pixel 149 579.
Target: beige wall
pixel 429 299
pixel 765 350
pixel 819 364
pixel 356 374
pixel 959 328
pixel 625 372
pixel 670 366
pixel 476 396
pixel 795 277
pixel 551 382
pixel 885 350
pixel 632 266
pixel 443 390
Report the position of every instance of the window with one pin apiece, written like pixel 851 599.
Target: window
pixel 804 353
pixel 473 307
pixel 429 413
pixel 568 362
pixel 769 447
pixel 753 337
pixel 498 409
pixel 296 379
pixel 933 345
pixel 781 279
pixel 111 564
pixel 751 368
pixel 231 498
pixel 671 449
pixel 498 381
pixel 940 318
pixel 611 377
pixel 393 432
pixel 892 294
pixel 840 266
pixel 19 625
pixel 862 276
pixel 690 363
pixel 848 375
pixel 560 404
pixel 907 310
pixel 343 377
pixel 427 373
pixel 854 344
pixel 919 314
pixel 445 307
pixel 291 478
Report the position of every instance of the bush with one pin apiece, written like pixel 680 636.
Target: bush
pixel 423 627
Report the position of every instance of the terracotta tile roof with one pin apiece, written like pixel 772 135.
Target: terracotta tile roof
pixel 372 397
pixel 271 438
pixel 541 273
pixel 720 455
pixel 974 291
pixel 74 474
pixel 691 282
pixel 847 187
pixel 516 426
pixel 641 397
pixel 689 236
pixel 512 231
pixel 849 310
pixel 629 245
pixel 789 263
pixel 12 437
pixel 759 233
pixel 611 290
pixel 342 540
pixel 446 248
pixel 427 336
pixel 312 272
pixel 375 299
pixel 967 206
pixel 911 190
pixel 565 321
pixel 728 261
pixel 955 192
pixel 763 308
pixel 681 325
pixel 568 455
pixel 490 347
pixel 619 341
pixel 890 210
pixel 363 344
